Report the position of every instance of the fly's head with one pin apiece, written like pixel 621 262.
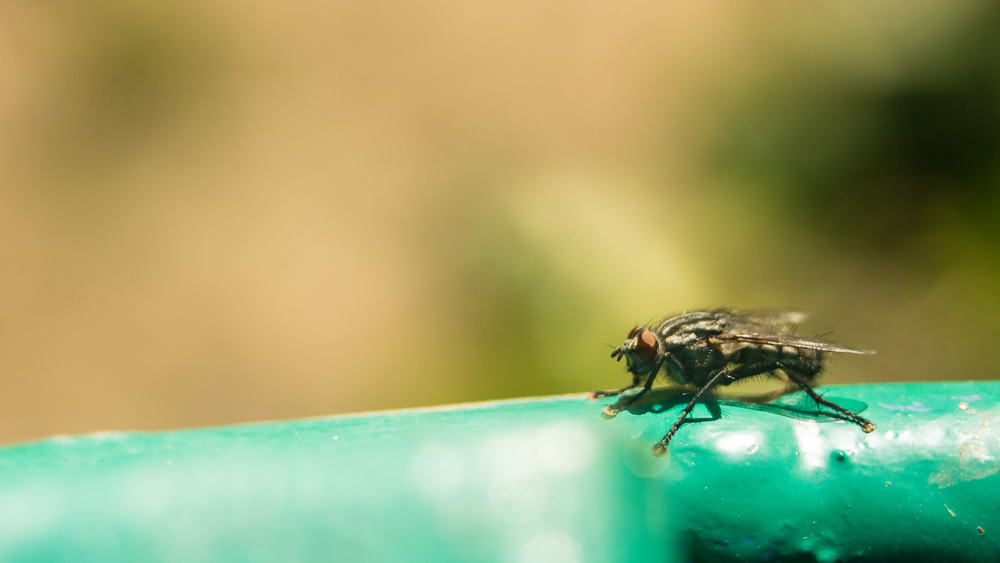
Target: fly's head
pixel 640 350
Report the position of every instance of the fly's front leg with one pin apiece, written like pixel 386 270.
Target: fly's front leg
pixel 615 392
pixel 645 387
pixel 611 411
pixel 865 424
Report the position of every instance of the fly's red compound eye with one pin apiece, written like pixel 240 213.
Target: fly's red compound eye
pixel 646 346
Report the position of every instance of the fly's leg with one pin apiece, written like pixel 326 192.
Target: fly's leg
pixel 732 374
pixel 645 387
pixel 751 370
pixel 615 392
pixel 661 447
pixel 611 411
pixel 865 424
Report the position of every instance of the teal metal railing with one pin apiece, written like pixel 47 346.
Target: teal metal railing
pixel 527 480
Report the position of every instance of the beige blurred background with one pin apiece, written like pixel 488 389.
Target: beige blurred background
pixel 214 212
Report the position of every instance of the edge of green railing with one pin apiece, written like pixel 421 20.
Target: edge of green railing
pixel 545 479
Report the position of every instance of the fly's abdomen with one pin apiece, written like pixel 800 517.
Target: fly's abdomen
pixel 803 360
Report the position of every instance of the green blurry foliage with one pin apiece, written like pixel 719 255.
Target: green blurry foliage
pixel 881 184
pixel 520 298
pixel 886 164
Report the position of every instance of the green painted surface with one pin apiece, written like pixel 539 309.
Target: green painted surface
pixel 529 480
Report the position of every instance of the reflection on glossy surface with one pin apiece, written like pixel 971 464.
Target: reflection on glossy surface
pixel 739 444
pixel 812 450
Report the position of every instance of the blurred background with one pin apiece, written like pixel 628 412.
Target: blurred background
pixel 214 212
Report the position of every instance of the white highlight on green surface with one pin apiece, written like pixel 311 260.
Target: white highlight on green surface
pixel 813 451
pixel 739 444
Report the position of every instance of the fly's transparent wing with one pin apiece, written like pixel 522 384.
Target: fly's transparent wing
pixel 769 317
pixel 754 337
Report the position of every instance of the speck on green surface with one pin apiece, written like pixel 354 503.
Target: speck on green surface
pixel 528 480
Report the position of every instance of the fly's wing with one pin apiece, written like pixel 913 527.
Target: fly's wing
pixel 707 324
pixel 773 318
pixel 754 337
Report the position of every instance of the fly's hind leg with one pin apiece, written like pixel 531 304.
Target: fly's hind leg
pixel 865 424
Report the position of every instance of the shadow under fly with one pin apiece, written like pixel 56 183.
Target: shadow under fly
pixel 789 403
pixel 707 349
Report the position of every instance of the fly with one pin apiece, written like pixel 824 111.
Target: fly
pixel 709 348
